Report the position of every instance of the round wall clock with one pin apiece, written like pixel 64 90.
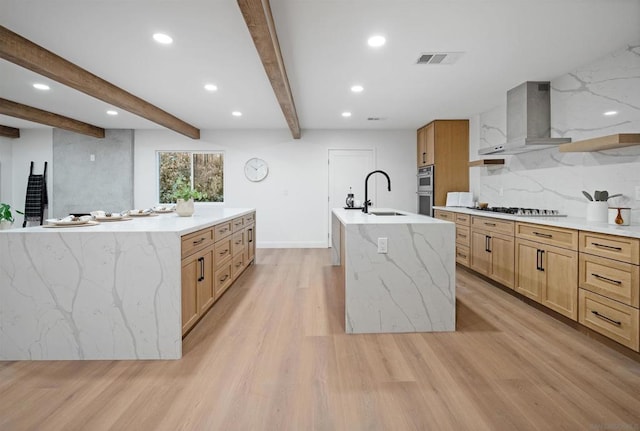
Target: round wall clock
pixel 256 169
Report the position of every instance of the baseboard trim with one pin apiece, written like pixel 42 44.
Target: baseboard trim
pixel 287 244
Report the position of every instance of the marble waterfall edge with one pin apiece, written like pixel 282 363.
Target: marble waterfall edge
pixel 90 296
pixel 409 289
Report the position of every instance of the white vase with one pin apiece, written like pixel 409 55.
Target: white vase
pixel 597 211
pixel 5 224
pixel 184 208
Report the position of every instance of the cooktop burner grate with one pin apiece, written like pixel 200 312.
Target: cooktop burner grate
pixel 524 212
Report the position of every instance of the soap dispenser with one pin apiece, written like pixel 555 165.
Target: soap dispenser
pixel 349 200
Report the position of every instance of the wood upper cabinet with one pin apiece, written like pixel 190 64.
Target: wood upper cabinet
pixel 445 144
pixel 546 267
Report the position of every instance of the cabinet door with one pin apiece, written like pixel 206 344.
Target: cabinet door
pixel 502 259
pixel 251 244
pixel 430 144
pixel 190 271
pixel 529 278
pixel 422 147
pixel 206 295
pixel 560 289
pixel 479 254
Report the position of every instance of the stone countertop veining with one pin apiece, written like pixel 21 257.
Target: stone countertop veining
pixel 168 222
pixel 358 217
pixel 578 223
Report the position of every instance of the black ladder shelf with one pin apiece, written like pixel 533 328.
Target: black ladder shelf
pixel 36 200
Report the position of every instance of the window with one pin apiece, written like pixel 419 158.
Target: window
pixel 203 171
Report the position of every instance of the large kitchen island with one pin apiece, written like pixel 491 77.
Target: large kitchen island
pixel 117 290
pixel 410 287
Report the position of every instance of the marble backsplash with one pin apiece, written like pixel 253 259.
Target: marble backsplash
pixel 550 179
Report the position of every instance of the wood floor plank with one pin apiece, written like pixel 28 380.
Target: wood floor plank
pixel 272 354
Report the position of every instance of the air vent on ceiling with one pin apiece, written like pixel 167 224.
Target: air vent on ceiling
pixel 375 119
pixel 439 57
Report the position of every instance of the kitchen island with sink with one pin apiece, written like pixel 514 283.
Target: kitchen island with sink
pixel 119 289
pixel 410 286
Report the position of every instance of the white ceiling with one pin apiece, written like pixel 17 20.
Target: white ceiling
pixel 323 42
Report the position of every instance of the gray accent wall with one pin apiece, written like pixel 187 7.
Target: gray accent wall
pixel 83 185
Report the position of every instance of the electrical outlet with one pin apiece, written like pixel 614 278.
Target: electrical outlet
pixel 638 193
pixel 382 245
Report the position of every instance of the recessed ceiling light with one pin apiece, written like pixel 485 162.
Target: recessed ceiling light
pixel 236 114
pixel 376 41
pixel 346 114
pixel 112 112
pixel 162 38
pixel 610 113
pixel 211 87
pixel 39 86
pixel 357 88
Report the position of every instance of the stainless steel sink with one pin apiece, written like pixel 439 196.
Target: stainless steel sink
pixel 386 213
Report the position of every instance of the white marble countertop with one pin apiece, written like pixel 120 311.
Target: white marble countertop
pixel 358 217
pixel 578 223
pixel 169 222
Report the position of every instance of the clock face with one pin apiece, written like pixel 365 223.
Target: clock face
pixel 256 169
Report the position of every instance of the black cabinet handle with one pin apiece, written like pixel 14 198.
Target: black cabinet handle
pixel 250 235
pixel 606 246
pixel 608 319
pixel 198 241
pixel 489 224
pixel 462 236
pixel 487 244
pixel 423 160
pixel 610 280
pixel 201 262
pixel 544 235
pixel 224 278
pixel 222 253
pixel 538 264
pixel 541 260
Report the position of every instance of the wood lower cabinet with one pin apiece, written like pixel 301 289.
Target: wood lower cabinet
pixel 212 259
pixel 548 275
pixel 463 233
pixel 492 253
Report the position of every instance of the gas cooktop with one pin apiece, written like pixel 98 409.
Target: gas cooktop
pixel 524 212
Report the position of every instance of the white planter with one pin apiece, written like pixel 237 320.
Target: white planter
pixel 597 211
pixel 184 208
pixel 5 224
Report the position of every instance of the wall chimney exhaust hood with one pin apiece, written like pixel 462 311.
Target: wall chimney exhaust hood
pixel 528 120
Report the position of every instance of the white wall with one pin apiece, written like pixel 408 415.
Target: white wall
pixel 32 145
pixel 554 180
pixel 5 169
pixel 291 202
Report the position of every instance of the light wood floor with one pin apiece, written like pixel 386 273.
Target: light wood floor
pixel 272 355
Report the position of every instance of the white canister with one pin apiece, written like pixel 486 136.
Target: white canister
pixel 597 211
pixel 620 216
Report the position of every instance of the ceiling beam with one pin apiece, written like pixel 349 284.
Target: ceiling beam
pixel 23 52
pixel 257 15
pixel 9 132
pixel 18 110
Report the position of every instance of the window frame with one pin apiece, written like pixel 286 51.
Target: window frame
pixel 191 153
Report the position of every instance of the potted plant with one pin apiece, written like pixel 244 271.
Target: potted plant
pixel 184 196
pixel 597 207
pixel 6 216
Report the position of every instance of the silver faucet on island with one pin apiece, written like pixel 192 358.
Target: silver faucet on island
pixel 367 202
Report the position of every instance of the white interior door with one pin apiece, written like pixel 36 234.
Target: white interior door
pixel 348 168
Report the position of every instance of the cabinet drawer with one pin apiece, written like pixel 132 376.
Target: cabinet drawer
pixel 237 224
pixel 463 235
pixel 249 218
pixel 237 265
pixel 611 246
pixel 237 243
pixel 610 278
pixel 222 279
pixel 444 215
pixel 222 252
pixel 463 219
pixel 462 254
pixel 565 238
pixel 196 241
pixel 610 318
pixel 493 225
pixel 221 230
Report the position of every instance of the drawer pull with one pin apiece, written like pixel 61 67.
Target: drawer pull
pixel 238 264
pixel 224 278
pixel 198 241
pixel 602 316
pixel 238 242
pixel 489 224
pixel 606 246
pixel 462 236
pixel 464 256
pixel 610 280
pixel 225 251
pixel 223 230
pixel 544 235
